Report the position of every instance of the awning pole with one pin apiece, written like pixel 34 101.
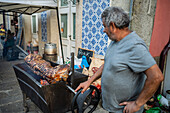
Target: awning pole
pixel 4 23
pixel 60 34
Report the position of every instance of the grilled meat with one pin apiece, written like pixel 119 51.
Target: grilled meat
pixel 44 68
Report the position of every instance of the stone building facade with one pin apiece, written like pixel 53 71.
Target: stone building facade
pixel 142 13
pixel 142 17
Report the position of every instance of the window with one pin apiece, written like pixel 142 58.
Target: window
pixel 74 25
pixel 74 2
pixel 64 25
pixel 64 3
pixel 34 24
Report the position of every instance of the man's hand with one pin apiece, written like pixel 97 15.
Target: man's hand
pixel 85 85
pixel 130 107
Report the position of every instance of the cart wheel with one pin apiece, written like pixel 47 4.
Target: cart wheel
pixel 87 101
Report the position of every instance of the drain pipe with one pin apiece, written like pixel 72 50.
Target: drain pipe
pixel 4 22
pixel 130 11
pixel 58 20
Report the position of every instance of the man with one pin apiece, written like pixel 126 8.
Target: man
pixel 16 26
pixel 2 34
pixel 129 75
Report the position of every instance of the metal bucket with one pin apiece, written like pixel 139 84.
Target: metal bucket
pixel 50 49
pixel 52 58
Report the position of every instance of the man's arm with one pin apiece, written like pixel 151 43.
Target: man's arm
pixel 85 85
pixel 154 78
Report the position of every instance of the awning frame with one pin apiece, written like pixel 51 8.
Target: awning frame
pixel 18 10
pixel 28 6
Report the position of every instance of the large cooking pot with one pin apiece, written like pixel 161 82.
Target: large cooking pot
pixel 50 49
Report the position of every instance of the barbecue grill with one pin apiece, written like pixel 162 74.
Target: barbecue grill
pixel 59 97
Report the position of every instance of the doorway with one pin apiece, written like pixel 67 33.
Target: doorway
pixel 34 29
pixel 68 25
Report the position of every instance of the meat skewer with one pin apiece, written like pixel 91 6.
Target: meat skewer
pixel 44 68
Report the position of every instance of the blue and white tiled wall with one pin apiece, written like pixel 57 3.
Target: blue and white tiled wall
pixel 44 26
pixel 93 37
pixel 20 21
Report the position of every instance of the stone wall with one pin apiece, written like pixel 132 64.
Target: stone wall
pixel 79 8
pixel 143 14
pixel 27 30
pixel 52 31
pixel 124 4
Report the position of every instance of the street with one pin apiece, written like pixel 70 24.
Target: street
pixel 11 98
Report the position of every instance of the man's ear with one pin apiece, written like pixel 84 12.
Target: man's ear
pixel 112 27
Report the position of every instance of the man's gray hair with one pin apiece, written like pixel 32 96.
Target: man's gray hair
pixel 117 16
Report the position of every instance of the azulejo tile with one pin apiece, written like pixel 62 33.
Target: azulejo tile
pixel 83 24
pixel 89 46
pixel 94 30
pixel 44 26
pixel 93 36
pixel 90 12
pixel 102 43
pixel 90 35
pixel 87 6
pixel 98 24
pixel 86 18
pixel 94 18
pixel 93 41
pixel 99 12
pixel 97 48
pixel 20 21
pixel 90 1
pixel 103 5
pixel 94 6
pixel 86 30
pixel 90 24
pixel 86 41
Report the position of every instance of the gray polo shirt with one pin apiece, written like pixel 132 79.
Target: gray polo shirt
pixel 123 75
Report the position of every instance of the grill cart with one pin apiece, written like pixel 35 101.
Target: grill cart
pixel 58 97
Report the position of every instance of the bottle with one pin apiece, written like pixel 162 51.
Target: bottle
pixel 163 101
pixel 84 62
pixel 58 60
pixel 61 61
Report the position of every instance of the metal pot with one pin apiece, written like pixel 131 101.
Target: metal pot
pixel 52 58
pixel 50 49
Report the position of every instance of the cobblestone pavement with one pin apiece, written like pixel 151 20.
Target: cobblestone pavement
pixel 11 98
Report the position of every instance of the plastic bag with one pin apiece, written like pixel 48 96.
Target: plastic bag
pixel 154 110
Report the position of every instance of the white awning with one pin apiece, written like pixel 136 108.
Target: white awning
pixel 27 6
